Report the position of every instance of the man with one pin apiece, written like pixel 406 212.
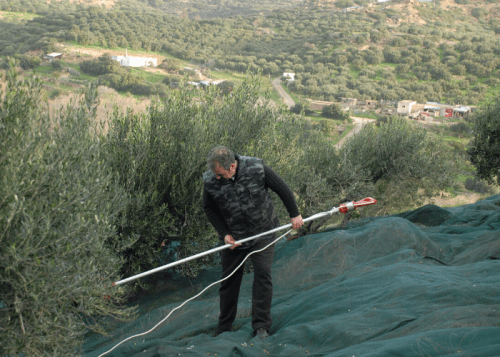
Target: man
pixel 237 203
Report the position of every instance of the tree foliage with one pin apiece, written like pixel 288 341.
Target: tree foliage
pixel 161 158
pixel 404 161
pixel 58 207
pixel 305 40
pixel 484 151
pixel 334 111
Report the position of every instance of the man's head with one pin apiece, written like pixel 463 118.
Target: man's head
pixel 222 162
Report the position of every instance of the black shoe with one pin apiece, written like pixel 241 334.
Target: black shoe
pixel 218 332
pixel 261 333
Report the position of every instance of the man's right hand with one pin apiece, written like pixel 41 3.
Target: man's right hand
pixel 230 240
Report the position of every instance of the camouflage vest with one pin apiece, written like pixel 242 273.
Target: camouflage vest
pixel 244 202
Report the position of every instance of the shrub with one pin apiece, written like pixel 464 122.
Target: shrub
pixel 484 150
pixel 398 42
pixel 29 62
pixel 299 107
pixel 160 158
pixel 159 89
pixel 171 64
pixel 58 206
pixel 100 66
pixel 382 120
pixel 334 111
pixel 461 128
pixel 56 65
pixel 473 184
pixel 140 89
pixel 172 78
pixel 226 87
pixel 341 4
pixel 405 159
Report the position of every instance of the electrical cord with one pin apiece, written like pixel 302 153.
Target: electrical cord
pixel 194 297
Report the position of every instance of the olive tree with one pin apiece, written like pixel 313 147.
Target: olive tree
pixel 404 162
pixel 484 150
pixel 160 157
pixel 59 202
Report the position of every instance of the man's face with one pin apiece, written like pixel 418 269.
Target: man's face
pixel 221 172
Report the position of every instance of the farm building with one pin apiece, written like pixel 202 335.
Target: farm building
pixel 404 107
pixel 438 109
pixel 461 111
pixel 52 56
pixel 290 75
pixel 348 103
pixel 127 61
pixel 207 83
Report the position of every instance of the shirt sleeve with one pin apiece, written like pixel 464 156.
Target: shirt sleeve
pixel 278 185
pixel 214 215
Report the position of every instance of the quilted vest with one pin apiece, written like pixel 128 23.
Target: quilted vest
pixel 244 202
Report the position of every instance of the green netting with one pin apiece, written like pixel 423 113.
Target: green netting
pixel 420 283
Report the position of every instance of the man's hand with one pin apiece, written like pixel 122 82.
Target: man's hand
pixel 230 240
pixel 297 222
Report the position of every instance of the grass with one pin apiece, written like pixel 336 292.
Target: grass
pixel 235 77
pixel 368 115
pixel 17 16
pixel 148 76
pixel 76 45
pixel 47 70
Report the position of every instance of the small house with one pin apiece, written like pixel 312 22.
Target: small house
pixel 348 103
pixel 52 56
pixel 461 111
pixel 432 109
pixel 404 107
pixel 127 61
pixel 371 104
pixel 291 76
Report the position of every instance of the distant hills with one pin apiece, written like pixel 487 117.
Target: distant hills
pixel 441 51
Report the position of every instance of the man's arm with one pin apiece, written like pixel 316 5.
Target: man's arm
pixel 216 219
pixel 278 185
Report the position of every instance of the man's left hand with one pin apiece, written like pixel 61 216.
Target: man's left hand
pixel 297 222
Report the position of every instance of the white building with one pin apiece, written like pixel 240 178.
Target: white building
pixel 52 56
pixel 290 75
pixel 211 82
pixel 404 107
pixel 127 61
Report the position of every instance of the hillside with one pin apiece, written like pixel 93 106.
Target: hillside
pixel 420 283
pixel 423 51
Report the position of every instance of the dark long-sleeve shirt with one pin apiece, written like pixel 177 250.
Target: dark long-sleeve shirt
pixel 272 181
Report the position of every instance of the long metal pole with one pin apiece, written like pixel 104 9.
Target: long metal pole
pixel 343 208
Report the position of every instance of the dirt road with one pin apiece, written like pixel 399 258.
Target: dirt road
pixel 360 122
pixel 286 98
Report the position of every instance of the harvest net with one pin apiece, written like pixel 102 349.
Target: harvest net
pixel 420 283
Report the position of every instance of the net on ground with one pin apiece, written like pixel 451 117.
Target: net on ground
pixel 420 283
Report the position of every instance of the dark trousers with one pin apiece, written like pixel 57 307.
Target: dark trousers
pixel 262 290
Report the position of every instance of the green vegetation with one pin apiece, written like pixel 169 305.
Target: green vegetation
pixel 484 151
pixel 13 16
pixel 59 204
pixel 114 198
pixel 320 45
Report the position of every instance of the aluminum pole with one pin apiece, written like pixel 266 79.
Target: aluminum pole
pixel 344 208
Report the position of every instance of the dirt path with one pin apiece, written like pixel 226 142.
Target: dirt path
pixel 360 122
pixel 286 98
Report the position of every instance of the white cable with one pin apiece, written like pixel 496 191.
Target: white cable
pixel 194 297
